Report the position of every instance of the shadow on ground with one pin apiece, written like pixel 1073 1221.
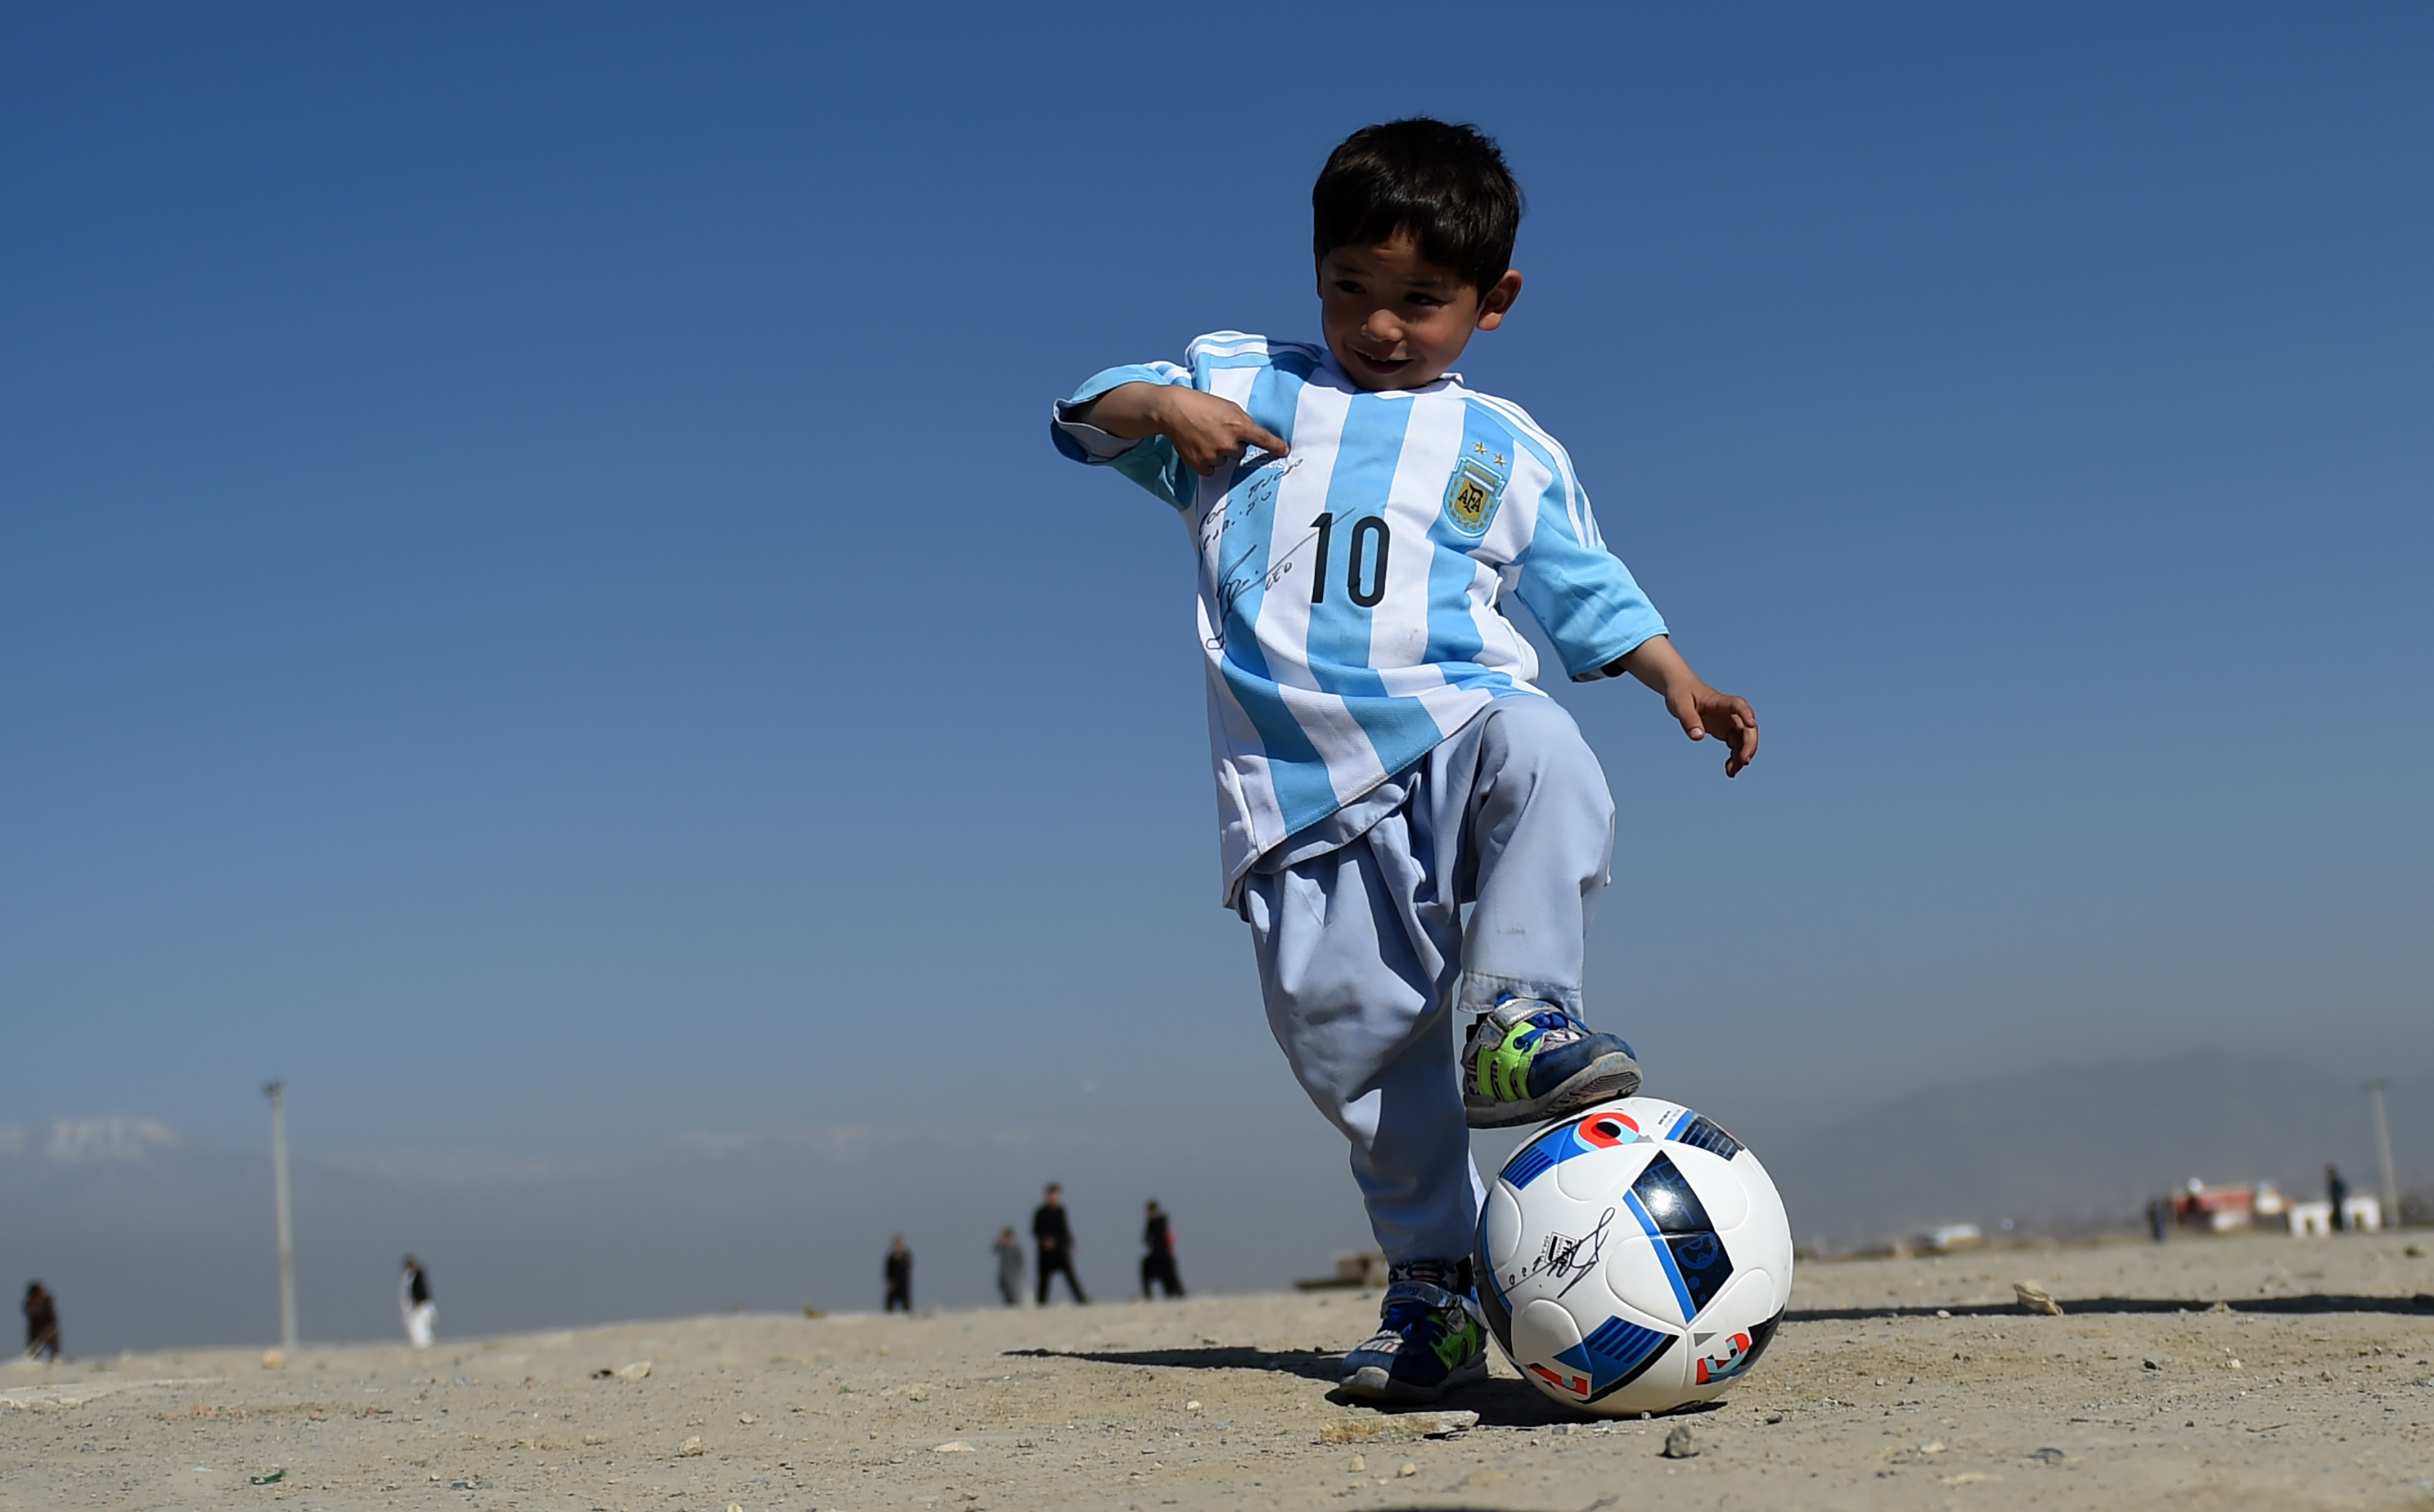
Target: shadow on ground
pixel 1499 1404
pixel 2419 1305
pixel 1310 1365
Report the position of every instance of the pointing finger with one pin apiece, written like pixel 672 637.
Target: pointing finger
pixel 1267 440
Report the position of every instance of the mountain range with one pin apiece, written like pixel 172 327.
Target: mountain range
pixel 151 1241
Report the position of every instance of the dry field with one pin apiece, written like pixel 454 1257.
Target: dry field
pixel 2253 1372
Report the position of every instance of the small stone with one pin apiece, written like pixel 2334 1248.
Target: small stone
pixel 691 1448
pixel 734 1507
pixel 1409 1468
pixel 1680 1445
pixel 1933 1446
pixel 1192 1407
pixel 1360 1463
pixel 874 1432
pixel 1774 1418
pixel 957 1445
pixel 1943 1311
pixel 637 1371
pixel 745 1419
pixel 2036 1298
pixel 2051 1457
pixel 274 1359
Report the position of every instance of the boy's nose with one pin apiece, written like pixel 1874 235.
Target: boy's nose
pixel 1383 326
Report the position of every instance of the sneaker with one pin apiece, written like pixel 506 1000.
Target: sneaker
pixel 1528 1060
pixel 1429 1341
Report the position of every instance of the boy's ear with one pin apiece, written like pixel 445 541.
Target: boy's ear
pixel 1499 299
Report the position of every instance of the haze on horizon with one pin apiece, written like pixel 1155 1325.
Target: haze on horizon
pixel 535 604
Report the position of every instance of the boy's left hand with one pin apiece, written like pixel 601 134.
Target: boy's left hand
pixel 1705 712
pixel 1701 709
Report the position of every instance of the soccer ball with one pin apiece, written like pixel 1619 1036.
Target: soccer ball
pixel 1633 1259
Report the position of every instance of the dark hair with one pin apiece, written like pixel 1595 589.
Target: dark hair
pixel 1447 185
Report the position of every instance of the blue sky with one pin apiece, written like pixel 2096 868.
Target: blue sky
pixel 535 602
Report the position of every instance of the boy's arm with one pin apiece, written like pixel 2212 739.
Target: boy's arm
pixel 1208 432
pixel 1601 623
pixel 1701 709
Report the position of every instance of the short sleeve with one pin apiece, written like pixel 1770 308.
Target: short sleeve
pixel 1581 593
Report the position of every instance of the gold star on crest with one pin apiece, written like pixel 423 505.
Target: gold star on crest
pixel 1481 447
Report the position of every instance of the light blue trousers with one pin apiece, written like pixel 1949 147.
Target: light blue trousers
pixel 1366 952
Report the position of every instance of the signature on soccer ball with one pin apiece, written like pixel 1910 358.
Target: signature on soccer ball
pixel 1562 1257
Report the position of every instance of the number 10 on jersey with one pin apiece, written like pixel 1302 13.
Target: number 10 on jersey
pixel 1365 580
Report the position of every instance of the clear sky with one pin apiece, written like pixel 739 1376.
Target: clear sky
pixel 535 601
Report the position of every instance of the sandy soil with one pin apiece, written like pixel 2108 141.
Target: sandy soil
pixel 2204 1373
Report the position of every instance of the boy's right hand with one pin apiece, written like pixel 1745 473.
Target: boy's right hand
pixel 1208 432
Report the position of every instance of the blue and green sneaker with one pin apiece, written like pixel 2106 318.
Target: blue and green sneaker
pixel 1429 1340
pixel 1528 1060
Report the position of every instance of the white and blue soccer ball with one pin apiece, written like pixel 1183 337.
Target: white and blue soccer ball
pixel 1633 1259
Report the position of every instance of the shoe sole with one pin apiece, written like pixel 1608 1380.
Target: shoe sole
pixel 1601 1080
pixel 1375 1384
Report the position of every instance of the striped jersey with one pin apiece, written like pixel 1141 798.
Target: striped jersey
pixel 1350 591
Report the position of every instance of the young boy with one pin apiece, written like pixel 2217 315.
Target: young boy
pixel 1383 760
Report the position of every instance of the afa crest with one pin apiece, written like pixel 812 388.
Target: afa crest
pixel 1475 490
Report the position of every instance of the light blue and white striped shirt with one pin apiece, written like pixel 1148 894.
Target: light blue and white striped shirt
pixel 1348 590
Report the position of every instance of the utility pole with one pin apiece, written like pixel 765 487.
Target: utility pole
pixel 286 1231
pixel 2383 1154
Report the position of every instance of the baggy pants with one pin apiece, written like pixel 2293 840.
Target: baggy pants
pixel 1055 1263
pixel 1365 953
pixel 1158 1268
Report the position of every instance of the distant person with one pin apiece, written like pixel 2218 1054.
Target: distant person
pixel 2338 1191
pixel 1416 833
pixel 1008 1251
pixel 1055 1236
pixel 42 1323
pixel 900 1276
pixel 414 1302
pixel 1158 1254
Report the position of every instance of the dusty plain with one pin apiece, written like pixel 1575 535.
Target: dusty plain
pixel 2217 1373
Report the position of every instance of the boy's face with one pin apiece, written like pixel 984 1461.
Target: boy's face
pixel 1396 320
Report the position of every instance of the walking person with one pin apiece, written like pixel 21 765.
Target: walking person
pixel 414 1302
pixel 1055 1236
pixel 42 1322
pixel 1158 1254
pixel 1008 1251
pixel 900 1276
pixel 2338 1191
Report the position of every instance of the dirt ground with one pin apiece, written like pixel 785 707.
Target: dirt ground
pixel 2248 1373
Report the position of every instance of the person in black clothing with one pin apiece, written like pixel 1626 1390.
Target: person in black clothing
pixel 1158 1254
pixel 1056 1239
pixel 900 1276
pixel 42 1322
pixel 2339 1191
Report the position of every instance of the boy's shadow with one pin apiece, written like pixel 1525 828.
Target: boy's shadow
pixel 1500 1403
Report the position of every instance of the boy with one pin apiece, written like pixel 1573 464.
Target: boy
pixel 1382 757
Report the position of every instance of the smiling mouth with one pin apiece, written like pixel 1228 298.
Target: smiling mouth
pixel 1380 364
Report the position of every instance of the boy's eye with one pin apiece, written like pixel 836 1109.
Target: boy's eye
pixel 1346 285
pixel 1427 302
